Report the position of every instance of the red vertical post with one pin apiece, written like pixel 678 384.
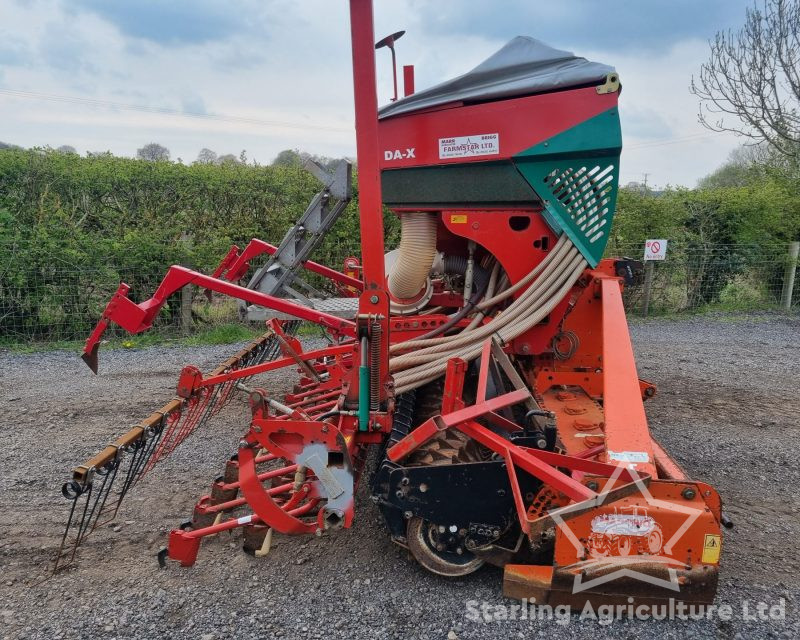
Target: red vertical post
pixel 373 303
pixel 366 102
pixel 408 79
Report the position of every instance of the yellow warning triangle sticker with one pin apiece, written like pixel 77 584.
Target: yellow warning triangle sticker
pixel 711 548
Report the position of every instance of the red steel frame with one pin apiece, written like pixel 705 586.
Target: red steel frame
pixel 285 514
pixel 625 420
pixel 287 508
pixel 136 318
pixel 544 465
pixel 373 304
pixel 370 203
pixel 236 264
pixel 320 411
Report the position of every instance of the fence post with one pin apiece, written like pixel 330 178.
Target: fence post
pixel 187 293
pixel 789 274
pixel 648 286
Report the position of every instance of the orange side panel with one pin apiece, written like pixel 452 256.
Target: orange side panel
pixel 628 437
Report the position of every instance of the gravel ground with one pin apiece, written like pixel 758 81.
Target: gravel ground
pixel 727 409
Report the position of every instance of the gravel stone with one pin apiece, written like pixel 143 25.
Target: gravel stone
pixel 726 409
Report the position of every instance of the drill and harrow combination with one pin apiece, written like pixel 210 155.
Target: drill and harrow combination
pixel 479 377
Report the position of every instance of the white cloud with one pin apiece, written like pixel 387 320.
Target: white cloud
pixel 678 150
pixel 292 64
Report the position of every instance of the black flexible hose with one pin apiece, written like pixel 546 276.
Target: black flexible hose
pixel 457 265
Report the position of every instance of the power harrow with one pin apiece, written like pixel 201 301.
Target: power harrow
pixel 486 360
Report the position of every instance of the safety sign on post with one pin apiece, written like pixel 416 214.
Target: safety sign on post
pixel 655 249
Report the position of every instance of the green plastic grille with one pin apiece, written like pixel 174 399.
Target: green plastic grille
pixel 576 175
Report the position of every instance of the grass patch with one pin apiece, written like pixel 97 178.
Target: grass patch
pixel 714 313
pixel 221 334
pixel 34 346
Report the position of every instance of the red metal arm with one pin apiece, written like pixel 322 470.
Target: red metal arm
pixel 191 379
pixel 428 429
pixel 136 318
pixel 227 261
pixel 235 269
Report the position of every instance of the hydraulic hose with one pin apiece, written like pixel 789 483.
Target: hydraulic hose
pixel 425 358
pixel 516 316
pixel 487 304
pixel 478 318
pixel 536 311
pixel 548 269
pixel 557 274
pixel 416 253
pixel 458 264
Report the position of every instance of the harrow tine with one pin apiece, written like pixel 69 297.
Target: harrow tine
pixel 60 554
pixel 78 536
pixel 137 463
pixel 109 476
pixel 136 454
pixel 89 516
pixel 73 492
pixel 134 464
pixel 191 420
pixel 220 398
pixel 172 423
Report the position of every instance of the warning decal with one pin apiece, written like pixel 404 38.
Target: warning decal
pixel 485 144
pixel 458 218
pixel 711 548
pixel 629 456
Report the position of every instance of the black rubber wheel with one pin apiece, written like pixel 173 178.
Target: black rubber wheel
pixel 440 550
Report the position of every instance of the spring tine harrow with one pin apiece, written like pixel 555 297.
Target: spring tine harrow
pixel 98 488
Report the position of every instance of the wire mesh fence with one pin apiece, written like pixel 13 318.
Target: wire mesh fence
pixel 61 302
pixel 723 277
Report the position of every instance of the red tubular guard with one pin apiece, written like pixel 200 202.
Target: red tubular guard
pixel 263 504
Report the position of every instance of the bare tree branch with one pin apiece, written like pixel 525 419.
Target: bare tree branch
pixel 751 83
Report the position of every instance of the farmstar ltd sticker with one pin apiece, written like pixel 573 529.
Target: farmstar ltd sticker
pixel 618 525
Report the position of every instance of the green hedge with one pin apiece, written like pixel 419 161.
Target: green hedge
pixel 71 227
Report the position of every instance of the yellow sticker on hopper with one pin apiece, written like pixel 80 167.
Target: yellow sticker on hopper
pixel 711 548
pixel 458 219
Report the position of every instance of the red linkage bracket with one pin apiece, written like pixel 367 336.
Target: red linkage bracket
pixel 235 265
pixel 545 465
pixel 136 318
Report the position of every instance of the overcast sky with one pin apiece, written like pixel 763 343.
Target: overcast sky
pixel 266 75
